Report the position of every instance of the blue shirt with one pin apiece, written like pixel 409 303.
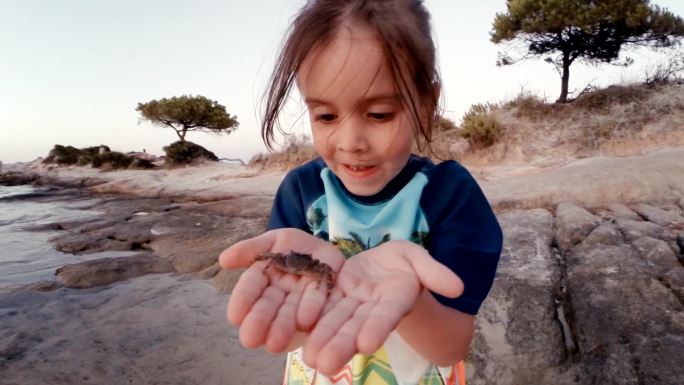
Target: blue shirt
pixel 440 207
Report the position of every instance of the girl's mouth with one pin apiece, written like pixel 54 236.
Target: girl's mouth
pixel 359 171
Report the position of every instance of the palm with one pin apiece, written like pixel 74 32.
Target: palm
pixel 375 290
pixel 269 306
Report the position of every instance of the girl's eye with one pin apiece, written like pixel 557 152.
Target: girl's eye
pixel 381 116
pixel 326 118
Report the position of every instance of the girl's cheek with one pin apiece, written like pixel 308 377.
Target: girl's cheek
pixel 322 139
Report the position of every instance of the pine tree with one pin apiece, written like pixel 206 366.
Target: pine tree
pixel 564 31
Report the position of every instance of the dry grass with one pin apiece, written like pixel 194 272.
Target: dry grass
pixel 615 121
pixel 618 120
pixel 297 150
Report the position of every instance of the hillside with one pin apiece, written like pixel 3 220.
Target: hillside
pixel 611 122
pixel 533 135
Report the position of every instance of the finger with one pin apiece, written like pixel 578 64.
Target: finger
pixel 313 299
pixel 242 254
pixel 327 327
pixel 381 320
pixel 283 280
pixel 432 274
pixel 247 290
pixel 342 347
pixel 283 327
pixel 257 322
pixel 334 297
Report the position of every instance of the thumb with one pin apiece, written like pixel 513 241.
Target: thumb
pixel 432 275
pixel 242 254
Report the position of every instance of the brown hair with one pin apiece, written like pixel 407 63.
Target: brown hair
pixel 403 30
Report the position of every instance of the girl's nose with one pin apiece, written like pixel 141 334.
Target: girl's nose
pixel 350 136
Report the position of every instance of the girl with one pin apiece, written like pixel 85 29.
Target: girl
pixel 414 245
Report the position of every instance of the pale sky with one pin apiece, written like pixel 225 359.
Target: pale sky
pixel 73 71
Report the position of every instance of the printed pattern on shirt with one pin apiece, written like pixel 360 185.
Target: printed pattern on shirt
pixel 440 207
pixel 354 227
pixel 361 370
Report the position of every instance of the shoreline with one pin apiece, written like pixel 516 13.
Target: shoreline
pixel 157 316
pixel 584 259
pixel 590 182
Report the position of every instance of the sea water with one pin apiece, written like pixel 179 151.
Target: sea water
pixel 27 256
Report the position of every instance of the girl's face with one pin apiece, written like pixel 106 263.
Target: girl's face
pixel 358 123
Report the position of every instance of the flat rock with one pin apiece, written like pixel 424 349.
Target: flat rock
pixel 659 216
pixel 101 272
pixel 155 329
pixel 43 286
pixel 191 235
pixel 622 211
pixel 118 238
pixel 209 272
pixel 198 246
pixel 573 223
pixel 504 350
pixel 627 322
pixel 526 254
pixel 12 178
pixel 634 230
pixel 16 345
pixel 663 263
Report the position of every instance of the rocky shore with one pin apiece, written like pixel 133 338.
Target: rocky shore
pixel 585 298
pixel 590 289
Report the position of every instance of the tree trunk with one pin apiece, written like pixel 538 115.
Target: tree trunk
pixel 180 136
pixel 565 78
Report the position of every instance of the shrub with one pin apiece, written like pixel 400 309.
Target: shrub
pixel 604 98
pixel 141 164
pixel 63 155
pixel 183 153
pixel 68 155
pixel 113 160
pixel 84 160
pixel 531 107
pixel 480 127
pixel 96 150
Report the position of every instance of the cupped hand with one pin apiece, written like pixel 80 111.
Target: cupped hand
pixel 268 305
pixel 375 289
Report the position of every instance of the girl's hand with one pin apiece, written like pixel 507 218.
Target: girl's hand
pixel 375 289
pixel 268 305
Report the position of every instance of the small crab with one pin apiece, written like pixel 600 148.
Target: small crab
pixel 300 264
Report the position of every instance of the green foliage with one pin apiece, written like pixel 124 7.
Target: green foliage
pixel 63 155
pixel 95 150
pixel 112 160
pixel 594 31
pixel 421 238
pixel 480 127
pixel 97 156
pixel 142 164
pixel 69 155
pixel 189 113
pixel 184 153
pixel 84 160
pixel 354 245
